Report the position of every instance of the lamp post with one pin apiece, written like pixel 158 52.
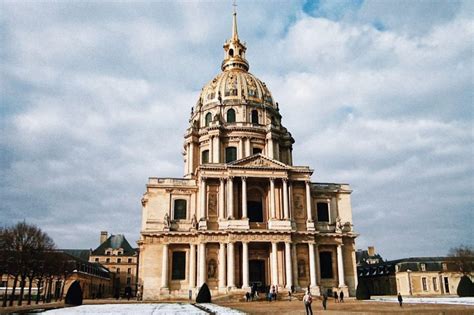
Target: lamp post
pixel 409 281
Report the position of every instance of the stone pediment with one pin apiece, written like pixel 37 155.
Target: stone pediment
pixel 258 161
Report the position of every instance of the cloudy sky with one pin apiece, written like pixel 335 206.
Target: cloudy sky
pixel 95 98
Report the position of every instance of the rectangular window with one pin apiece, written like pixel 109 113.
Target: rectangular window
pixel 119 260
pixel 178 270
pixel 424 284
pixel 205 157
pixel 129 270
pixel 230 154
pixel 180 209
pixel 325 259
pixel 129 280
pixel 130 260
pixel 423 267
pixel 435 284
pixel 118 270
pixel 323 211
pixel 97 259
pixel 107 260
pixel 256 150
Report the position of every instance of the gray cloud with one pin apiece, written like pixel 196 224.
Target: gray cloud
pixel 95 99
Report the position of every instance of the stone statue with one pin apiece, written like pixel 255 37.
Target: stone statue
pixel 193 222
pixel 338 225
pixel 167 221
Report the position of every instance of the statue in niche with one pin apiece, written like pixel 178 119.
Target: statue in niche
pixel 193 222
pixel 167 221
pixel 338 225
pixel 211 269
pixel 301 268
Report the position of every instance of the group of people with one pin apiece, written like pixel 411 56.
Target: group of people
pixel 338 297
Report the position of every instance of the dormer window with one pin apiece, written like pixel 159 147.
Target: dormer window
pixel 423 267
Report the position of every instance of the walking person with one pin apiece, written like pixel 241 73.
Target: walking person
pixel 336 298
pixel 325 300
pixel 341 297
pixel 400 299
pixel 307 300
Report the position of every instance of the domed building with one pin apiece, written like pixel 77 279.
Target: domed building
pixel 243 215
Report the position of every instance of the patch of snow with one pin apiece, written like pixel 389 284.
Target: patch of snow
pixel 142 309
pixel 220 309
pixel 430 300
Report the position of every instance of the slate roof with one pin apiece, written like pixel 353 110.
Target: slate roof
pixel 115 242
pixel 79 253
pixel 412 264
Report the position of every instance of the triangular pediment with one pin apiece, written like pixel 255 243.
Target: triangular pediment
pixel 260 161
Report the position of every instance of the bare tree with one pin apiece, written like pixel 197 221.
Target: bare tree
pixel 22 245
pixel 463 256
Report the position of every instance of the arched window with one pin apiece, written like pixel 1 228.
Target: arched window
pixel 230 154
pixel 179 209
pixel 255 116
pixel 208 119
pixel 205 157
pixel 231 115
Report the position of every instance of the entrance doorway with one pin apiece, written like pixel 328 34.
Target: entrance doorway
pixel 257 274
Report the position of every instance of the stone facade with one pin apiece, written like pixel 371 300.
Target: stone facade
pixel 243 214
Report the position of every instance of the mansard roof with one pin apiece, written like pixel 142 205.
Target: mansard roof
pixel 115 242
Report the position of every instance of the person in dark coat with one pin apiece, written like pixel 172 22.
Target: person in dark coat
pixel 325 300
pixel 341 297
pixel 335 296
pixel 128 293
pixel 400 299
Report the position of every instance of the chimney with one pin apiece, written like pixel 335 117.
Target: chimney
pixel 103 236
pixel 371 251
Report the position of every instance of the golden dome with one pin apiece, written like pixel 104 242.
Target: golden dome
pixel 236 86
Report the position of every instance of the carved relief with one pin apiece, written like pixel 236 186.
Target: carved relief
pixel 211 269
pixel 298 205
pixel 212 204
pixel 301 268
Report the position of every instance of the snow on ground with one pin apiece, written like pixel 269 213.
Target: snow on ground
pixel 220 309
pixel 431 300
pixel 143 309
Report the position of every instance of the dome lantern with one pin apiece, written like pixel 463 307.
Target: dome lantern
pixel 234 57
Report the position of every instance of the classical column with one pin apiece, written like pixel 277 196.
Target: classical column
pixel 230 265
pixel 245 265
pixel 164 267
pixel 202 264
pixel 191 158
pixel 244 197
pixel 218 150
pixel 285 199
pixel 186 165
pixel 274 267
pixel 230 197
pixel 211 149
pixel 294 258
pixel 340 267
pixel 318 266
pixel 270 148
pixel 290 200
pixel 202 210
pixel 247 147
pixel 192 266
pixel 221 199
pixel 272 198
pixel 240 151
pixel 222 263
pixel 289 269
pixel 312 265
pixel 308 201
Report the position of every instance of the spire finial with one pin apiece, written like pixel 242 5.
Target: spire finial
pixel 235 35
